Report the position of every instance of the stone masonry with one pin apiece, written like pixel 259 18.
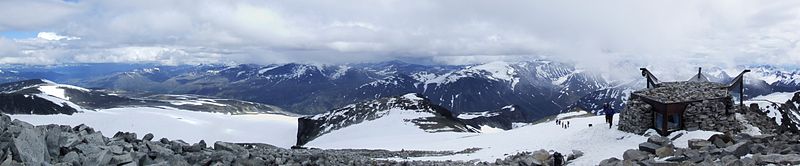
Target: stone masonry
pixel 636 117
pixel 708 107
pixel 711 115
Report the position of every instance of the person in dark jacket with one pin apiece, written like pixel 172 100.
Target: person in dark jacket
pixel 609 114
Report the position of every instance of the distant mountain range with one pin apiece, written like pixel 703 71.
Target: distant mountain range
pixel 39 96
pixel 45 97
pixel 535 88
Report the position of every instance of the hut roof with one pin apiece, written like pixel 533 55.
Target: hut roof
pixel 685 91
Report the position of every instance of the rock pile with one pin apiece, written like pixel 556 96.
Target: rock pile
pixel 759 119
pixel 637 117
pixel 741 149
pixel 539 157
pixel 711 115
pixel 24 144
pixel 673 92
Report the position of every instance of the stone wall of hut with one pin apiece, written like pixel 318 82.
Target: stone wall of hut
pixel 710 115
pixel 636 117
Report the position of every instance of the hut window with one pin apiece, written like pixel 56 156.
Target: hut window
pixel 659 121
pixel 674 122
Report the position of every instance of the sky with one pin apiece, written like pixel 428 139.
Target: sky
pixel 589 33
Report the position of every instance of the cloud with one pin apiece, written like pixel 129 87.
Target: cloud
pixel 54 36
pixel 595 35
pixel 26 15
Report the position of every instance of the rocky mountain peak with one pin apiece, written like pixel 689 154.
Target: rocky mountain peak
pixel 410 108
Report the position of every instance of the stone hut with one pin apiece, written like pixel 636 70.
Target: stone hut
pixel 696 104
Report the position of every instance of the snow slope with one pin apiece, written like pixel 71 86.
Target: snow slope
pixel 597 142
pixel 190 126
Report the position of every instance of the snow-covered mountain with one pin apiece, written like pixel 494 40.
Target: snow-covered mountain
pixel 37 97
pixel 188 117
pixel 384 116
pixel 780 79
pixel 539 88
pixel 46 97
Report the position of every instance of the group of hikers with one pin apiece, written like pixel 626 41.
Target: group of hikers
pixel 608 110
pixel 564 124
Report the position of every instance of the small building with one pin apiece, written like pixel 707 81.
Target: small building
pixel 695 104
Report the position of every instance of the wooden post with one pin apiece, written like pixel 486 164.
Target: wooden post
pixel 741 93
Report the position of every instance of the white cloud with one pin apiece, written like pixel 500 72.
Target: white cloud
pixel 53 36
pixel 593 34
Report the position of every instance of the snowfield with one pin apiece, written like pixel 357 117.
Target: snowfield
pixel 598 142
pixel 190 126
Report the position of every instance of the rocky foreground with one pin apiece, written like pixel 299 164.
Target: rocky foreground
pixel 776 145
pixel 24 144
pixel 738 150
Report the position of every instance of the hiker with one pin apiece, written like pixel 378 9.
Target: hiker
pixel 609 114
pixel 567 124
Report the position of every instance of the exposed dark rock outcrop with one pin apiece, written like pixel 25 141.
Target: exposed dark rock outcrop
pixel 433 118
pixel 503 118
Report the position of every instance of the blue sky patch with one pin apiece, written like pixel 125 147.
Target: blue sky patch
pixel 18 34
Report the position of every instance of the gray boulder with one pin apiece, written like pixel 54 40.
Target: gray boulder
pixel 95 138
pixel 83 129
pixel 31 147
pixel 665 151
pixel 694 155
pixel 721 140
pixel 71 157
pixel 740 149
pixel 781 159
pixel 748 161
pixel 125 136
pixel 121 159
pixel 611 162
pixel 219 145
pixel 575 154
pixel 635 155
pixel 541 155
pixel 659 140
pixel 649 147
pixel 4 121
pixel 154 150
pixel 148 137
pixel 699 144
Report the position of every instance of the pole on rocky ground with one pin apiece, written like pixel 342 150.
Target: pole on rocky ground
pixel 651 79
pixel 738 81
